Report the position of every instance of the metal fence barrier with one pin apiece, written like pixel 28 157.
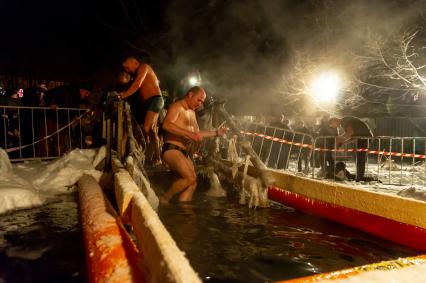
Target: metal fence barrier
pixel 43 133
pixel 389 160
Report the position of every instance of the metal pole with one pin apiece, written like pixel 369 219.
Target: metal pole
pixel 69 130
pixel 335 158
pixel 19 133
pixel 390 159
pixel 57 134
pixel 270 148
pixel 378 160
pixel 314 153
pixel 5 127
pixel 32 131
pixel 413 162
pixel 424 177
pixel 324 162
pixel 356 159
pixel 279 152
pixel 81 132
pixel 289 152
pixel 120 131
pixel 245 130
pixel 368 148
pixel 261 144
pixel 402 160
pixel 45 134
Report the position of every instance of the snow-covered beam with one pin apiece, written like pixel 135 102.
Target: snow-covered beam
pixel 164 260
pixel 110 253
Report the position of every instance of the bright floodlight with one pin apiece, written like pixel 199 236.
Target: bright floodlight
pixel 326 87
pixel 193 81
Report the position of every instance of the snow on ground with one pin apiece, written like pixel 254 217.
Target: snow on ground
pixel 413 273
pixel 29 184
pixel 408 181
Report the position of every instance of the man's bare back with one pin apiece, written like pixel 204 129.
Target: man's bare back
pixel 146 81
pixel 151 85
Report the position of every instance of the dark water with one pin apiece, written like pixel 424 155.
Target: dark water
pixel 43 244
pixel 227 242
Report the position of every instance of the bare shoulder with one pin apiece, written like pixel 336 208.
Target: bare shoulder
pixel 143 68
pixel 175 106
pixel 174 109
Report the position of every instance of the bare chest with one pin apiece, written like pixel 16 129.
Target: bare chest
pixel 187 119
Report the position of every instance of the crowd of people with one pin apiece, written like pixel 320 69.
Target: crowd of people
pixel 55 124
pixel 29 116
pixel 330 133
pixel 140 87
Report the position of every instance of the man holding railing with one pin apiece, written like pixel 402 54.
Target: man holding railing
pixel 149 98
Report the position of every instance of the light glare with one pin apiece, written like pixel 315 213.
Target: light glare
pixel 326 87
pixel 193 81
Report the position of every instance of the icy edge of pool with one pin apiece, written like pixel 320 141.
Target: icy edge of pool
pixel 29 184
pixel 407 274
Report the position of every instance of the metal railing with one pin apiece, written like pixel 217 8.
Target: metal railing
pixel 396 161
pixel 43 133
pixel 280 148
pixel 390 160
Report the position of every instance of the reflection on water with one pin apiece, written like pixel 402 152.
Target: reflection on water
pixel 43 244
pixel 227 242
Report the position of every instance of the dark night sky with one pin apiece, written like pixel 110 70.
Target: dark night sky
pixel 243 49
pixel 71 39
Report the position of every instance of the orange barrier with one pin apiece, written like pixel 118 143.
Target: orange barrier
pixel 345 273
pixel 110 253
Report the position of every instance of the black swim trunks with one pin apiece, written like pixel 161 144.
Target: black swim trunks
pixel 169 146
pixel 153 104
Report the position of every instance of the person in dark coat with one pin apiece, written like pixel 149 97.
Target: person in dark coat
pixel 10 119
pixel 327 133
pixel 66 96
pixel 356 129
pixel 304 154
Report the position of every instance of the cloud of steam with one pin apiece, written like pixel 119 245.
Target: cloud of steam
pixel 243 49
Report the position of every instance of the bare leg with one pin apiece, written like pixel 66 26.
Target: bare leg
pixel 187 194
pixel 187 183
pixel 150 128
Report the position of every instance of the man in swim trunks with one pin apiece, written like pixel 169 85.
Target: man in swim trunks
pixel 181 128
pixel 147 85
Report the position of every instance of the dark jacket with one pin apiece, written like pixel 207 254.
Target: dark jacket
pixel 64 96
pixel 360 128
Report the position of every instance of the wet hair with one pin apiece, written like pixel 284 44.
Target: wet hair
pixel 141 56
pixel 194 89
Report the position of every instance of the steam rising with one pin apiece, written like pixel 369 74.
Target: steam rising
pixel 245 50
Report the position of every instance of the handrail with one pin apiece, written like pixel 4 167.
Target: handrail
pixel 44 108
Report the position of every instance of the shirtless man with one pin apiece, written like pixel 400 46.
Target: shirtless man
pixel 181 128
pixel 147 85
